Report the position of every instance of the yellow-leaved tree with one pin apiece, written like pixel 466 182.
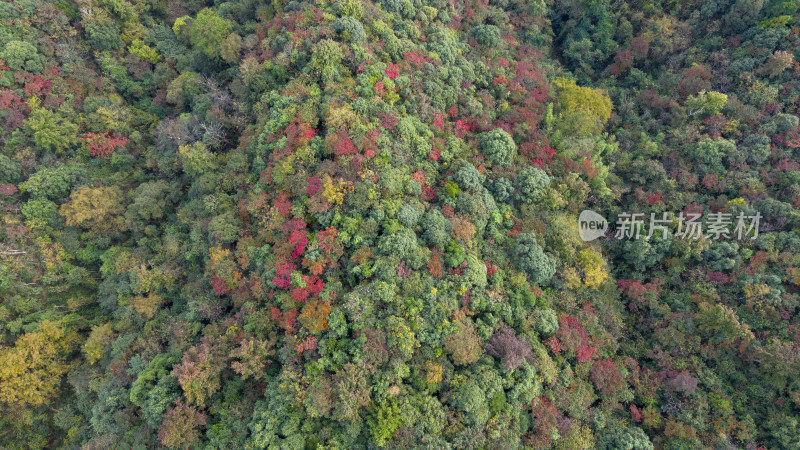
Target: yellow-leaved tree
pixel 94 207
pixel 594 268
pixel 584 110
pixel 31 369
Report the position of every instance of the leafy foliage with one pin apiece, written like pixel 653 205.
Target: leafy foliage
pixel 352 224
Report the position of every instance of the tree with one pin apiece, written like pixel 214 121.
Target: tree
pixel 505 344
pixel 574 99
pixel 468 178
pixel 777 63
pixel 352 391
pixel 607 377
pixel 95 345
pixel 51 132
pixel 31 370
pixel 144 52
pixel 385 421
pixel 531 182
pixel 531 259
pixel 631 438
pixel 683 383
pixel 755 149
pixel 103 34
pixel 579 437
pixel 103 144
pixel 643 254
pixel 52 183
pixel 404 245
pixel 785 431
pixel 708 103
pixel 350 29
pixel 40 211
pixel 199 372
pixel 461 229
pixel 470 397
pixel 208 31
pixel 721 324
pixel 180 428
pixel 155 389
pixel 546 322
pixel 325 57
pixel 93 208
pixel 709 154
pixel 502 189
pixel 150 201
pixel 252 356
pixel 10 170
pixel 499 147
pixel 742 15
pixel 410 214
pixel 314 316
pixel 594 271
pixel 20 55
pixel 352 8
pixel 486 35
pixel 197 159
pixel 464 345
pixel 231 48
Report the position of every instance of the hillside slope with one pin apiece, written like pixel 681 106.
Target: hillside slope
pixel 352 224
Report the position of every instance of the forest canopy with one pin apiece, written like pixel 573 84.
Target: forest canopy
pixel 354 224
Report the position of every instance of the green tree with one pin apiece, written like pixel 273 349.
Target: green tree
pixel 709 154
pixel 10 170
pixel 150 201
pixel 103 34
pixel 546 322
pixel 51 132
pixel 20 55
pixel 785 432
pixel 403 244
pixel 352 8
pixel 475 273
pixel 721 324
pixel 531 259
pixel 499 147
pixel 708 103
pixel 208 31
pixel 631 438
pixel 410 214
pixel 325 57
pixel 52 183
pixel 40 211
pixel 486 35
pixel 468 178
pixel 531 182
pixel 436 228
pixel 385 420
pixel 155 389
pixel 197 159
pixel 471 399
pixel 350 29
